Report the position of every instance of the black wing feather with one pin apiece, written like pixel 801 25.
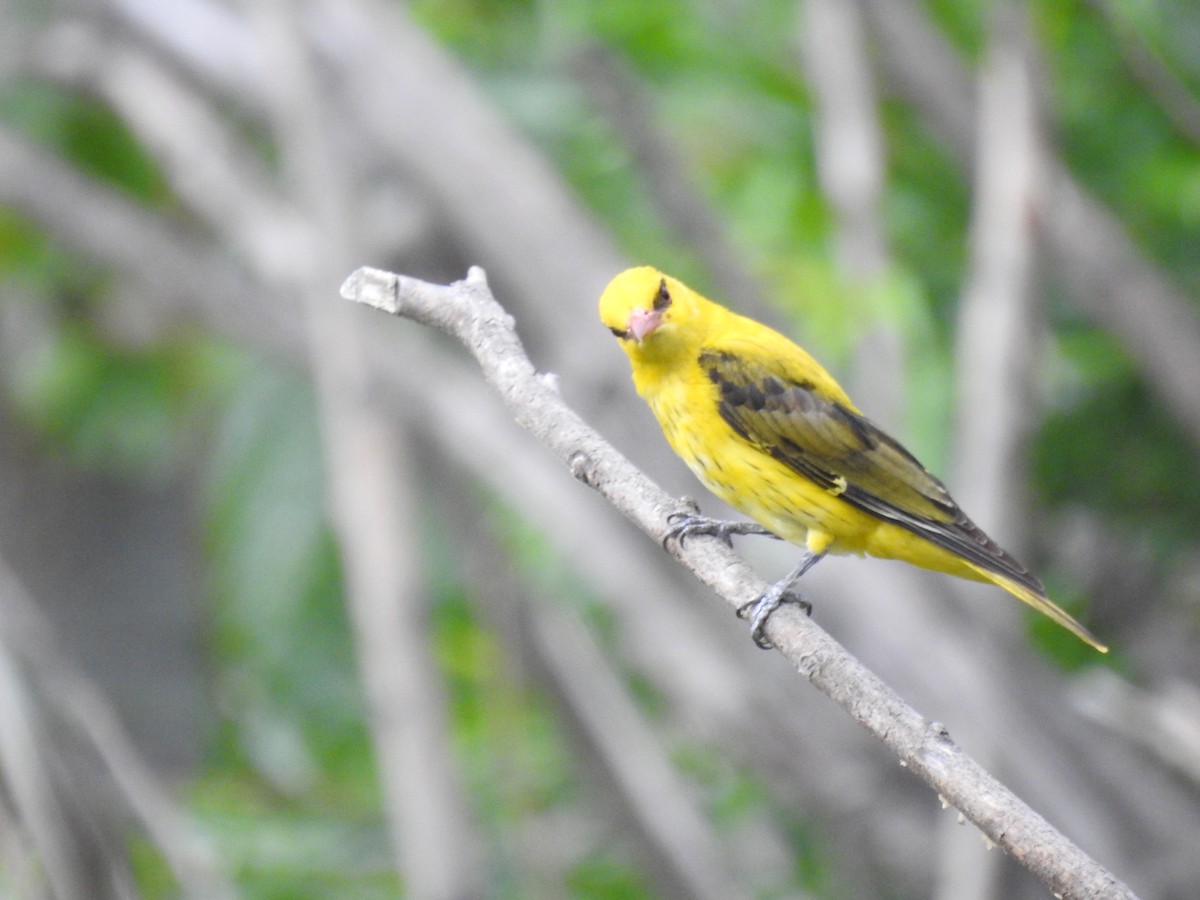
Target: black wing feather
pixel 845 453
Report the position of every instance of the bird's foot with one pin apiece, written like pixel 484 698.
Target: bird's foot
pixel 684 525
pixel 777 594
pixel 760 609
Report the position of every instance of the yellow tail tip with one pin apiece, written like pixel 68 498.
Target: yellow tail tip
pixel 1046 606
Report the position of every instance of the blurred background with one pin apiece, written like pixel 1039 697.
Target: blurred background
pixel 289 607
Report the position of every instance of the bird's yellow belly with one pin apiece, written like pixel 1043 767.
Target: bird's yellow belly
pixel 789 504
pixel 761 487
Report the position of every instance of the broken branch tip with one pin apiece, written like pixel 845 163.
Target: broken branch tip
pixel 374 287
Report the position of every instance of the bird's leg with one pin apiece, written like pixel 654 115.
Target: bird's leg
pixel 776 595
pixel 689 524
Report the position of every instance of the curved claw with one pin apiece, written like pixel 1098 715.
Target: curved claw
pixel 689 524
pixel 779 593
pixel 760 609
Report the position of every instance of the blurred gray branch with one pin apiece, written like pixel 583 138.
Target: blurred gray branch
pixel 1109 278
pixel 67 764
pixel 1149 67
pixel 434 835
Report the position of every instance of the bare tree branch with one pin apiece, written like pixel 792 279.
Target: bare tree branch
pixel 1165 722
pixel 372 503
pixel 657 814
pixel 450 143
pixel 27 779
pixel 851 166
pixel 665 811
pixel 467 311
pixel 28 645
pixel 624 102
pixel 849 143
pixel 996 316
pixel 993 365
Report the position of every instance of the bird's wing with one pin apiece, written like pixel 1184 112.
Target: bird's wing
pixel 787 415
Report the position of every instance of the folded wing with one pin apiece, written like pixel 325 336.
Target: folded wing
pixel 784 415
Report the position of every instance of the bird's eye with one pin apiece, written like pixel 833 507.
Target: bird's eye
pixel 619 333
pixel 663 298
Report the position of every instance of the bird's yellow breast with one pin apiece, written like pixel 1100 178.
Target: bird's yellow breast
pixel 753 482
pixel 770 432
pixel 668 375
pixel 745 477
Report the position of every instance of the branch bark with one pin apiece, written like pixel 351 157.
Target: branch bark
pixel 467 311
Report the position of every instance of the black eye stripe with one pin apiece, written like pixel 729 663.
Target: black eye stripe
pixel 663 298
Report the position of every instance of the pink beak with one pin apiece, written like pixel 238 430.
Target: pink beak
pixel 643 322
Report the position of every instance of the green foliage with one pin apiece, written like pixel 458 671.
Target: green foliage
pixel 280 623
pixel 736 799
pixel 1058 644
pixel 926 209
pixel 1143 476
pixel 965 24
pixel 153 877
pixel 600 877
pixel 290 793
pixel 1113 132
pixel 110 408
pixel 326 846
pixel 86 133
pixel 496 31
pixel 25 254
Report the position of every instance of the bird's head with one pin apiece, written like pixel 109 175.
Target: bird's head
pixel 648 311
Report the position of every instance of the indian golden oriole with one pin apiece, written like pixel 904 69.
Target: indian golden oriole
pixel 772 434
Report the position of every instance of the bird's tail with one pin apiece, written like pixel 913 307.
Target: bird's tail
pixel 1043 604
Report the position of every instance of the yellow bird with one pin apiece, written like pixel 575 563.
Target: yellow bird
pixel 771 433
